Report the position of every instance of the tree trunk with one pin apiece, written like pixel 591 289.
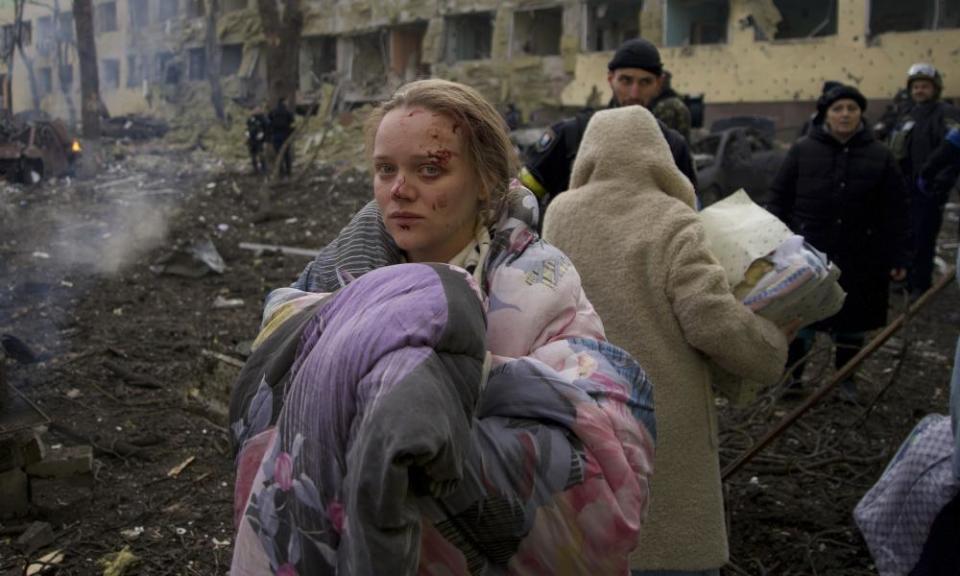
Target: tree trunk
pixel 282 44
pixel 89 76
pixel 213 58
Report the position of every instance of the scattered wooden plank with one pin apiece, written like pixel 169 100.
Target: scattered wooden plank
pixel 292 250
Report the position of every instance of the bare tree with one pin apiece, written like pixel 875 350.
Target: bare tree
pixel 12 45
pixel 282 41
pixel 213 58
pixel 89 76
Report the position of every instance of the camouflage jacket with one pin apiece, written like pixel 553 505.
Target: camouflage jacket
pixel 670 109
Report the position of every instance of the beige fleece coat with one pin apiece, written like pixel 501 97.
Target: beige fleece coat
pixel 629 225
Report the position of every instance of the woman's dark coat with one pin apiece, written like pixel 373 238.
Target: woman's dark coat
pixel 848 200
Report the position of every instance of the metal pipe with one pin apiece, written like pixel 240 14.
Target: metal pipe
pixel 842 374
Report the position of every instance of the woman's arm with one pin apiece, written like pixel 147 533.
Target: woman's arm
pixel 711 318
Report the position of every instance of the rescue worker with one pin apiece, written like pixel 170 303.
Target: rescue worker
pixel 257 127
pixel 918 134
pixel 892 114
pixel 668 107
pixel 281 127
pixel 635 74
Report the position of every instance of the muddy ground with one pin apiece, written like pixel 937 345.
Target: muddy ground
pixel 136 359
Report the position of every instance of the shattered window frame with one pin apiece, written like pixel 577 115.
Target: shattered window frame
pixel 231 57
pixel 195 8
pixel 920 16
pixel 66 30
pixel 110 74
pixel 168 10
pixel 105 17
pixel 539 35
pixel 44 81
pixel 368 75
pixel 598 26
pixel 468 37
pixel 165 68
pixel 197 64
pixel 799 20
pixel 134 71
pixel 696 28
pixel 45 35
pixel 65 77
pixel 139 13
pixel 26 33
pixel 320 54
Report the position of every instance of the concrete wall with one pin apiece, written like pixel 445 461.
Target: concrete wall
pixel 745 70
pixel 786 74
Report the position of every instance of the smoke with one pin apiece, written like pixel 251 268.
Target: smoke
pixel 122 233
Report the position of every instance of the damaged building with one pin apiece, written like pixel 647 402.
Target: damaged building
pixel 760 56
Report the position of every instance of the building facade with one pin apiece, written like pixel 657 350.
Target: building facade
pixel 763 56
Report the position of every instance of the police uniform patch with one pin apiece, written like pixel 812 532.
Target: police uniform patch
pixel 544 142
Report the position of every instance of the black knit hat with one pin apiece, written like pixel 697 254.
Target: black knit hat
pixel 637 53
pixel 839 93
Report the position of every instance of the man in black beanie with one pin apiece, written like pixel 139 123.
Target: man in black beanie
pixel 635 74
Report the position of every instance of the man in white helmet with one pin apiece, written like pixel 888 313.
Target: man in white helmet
pixel 918 133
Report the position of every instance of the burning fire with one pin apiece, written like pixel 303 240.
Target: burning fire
pixel 76 146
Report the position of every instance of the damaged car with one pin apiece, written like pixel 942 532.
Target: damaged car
pixel 37 149
pixel 737 153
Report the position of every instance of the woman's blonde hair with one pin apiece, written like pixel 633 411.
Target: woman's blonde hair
pixel 487 144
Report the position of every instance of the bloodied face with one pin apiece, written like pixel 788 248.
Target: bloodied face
pixel 425 186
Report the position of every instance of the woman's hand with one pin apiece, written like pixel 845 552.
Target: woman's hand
pixel 791 328
pixel 898 274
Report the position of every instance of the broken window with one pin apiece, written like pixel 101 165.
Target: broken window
pixel 797 19
pixel 45 81
pixel 899 16
pixel 231 55
pixel 110 73
pixel 66 77
pixel 134 71
pixel 168 10
pixel 139 14
pixel 610 23
pixel 26 33
pixel 167 69
pixel 691 22
pixel 105 17
pixel 45 35
pixel 320 55
pixel 405 53
pixel 197 58
pixel 195 8
pixel 234 5
pixel 66 31
pixel 537 32
pixel 367 65
pixel 469 36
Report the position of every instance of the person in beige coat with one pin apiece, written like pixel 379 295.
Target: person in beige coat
pixel 629 225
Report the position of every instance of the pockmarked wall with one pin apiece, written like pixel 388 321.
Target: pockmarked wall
pixel 746 70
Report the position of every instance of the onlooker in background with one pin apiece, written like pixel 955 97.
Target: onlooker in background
pixel 257 127
pixel 947 155
pixel 664 298
pixel 840 189
pixel 668 107
pixel 281 127
pixel 817 117
pixel 892 114
pixel 921 130
pixel 635 76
